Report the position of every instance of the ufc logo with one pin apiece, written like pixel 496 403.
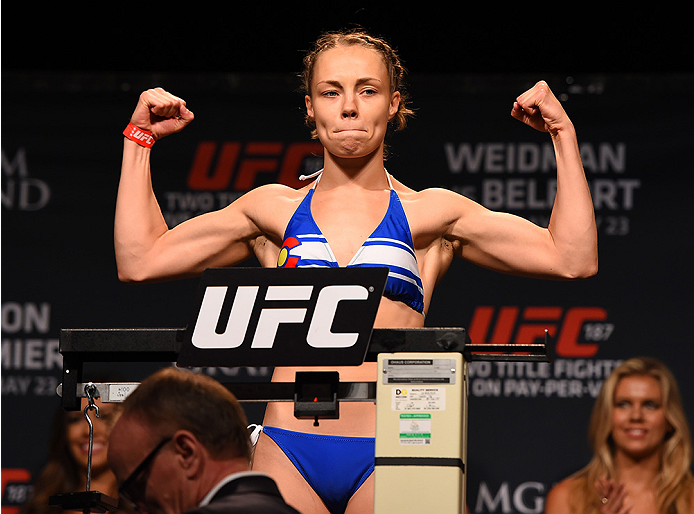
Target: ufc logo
pixel 240 167
pixel 142 136
pixel 15 489
pixel 578 330
pixel 319 334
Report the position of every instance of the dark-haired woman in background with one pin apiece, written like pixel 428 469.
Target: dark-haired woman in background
pixel 66 467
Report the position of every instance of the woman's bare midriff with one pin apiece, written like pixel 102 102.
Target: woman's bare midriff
pixel 357 418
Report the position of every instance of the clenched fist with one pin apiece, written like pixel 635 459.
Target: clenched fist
pixel 161 113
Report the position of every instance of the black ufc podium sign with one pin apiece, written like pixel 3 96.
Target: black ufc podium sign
pixel 282 317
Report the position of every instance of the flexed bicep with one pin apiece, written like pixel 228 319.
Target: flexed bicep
pixel 214 239
pixel 506 243
pixel 567 248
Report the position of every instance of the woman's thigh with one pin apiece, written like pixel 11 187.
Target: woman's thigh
pixel 269 458
pixel 363 500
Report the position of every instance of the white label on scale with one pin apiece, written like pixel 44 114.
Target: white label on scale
pixel 418 398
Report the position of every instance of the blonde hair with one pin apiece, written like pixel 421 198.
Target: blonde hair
pixel 396 71
pixel 675 482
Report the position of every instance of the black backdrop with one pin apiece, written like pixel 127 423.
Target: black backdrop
pixel 624 79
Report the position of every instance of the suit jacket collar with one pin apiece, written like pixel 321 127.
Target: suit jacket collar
pixel 251 481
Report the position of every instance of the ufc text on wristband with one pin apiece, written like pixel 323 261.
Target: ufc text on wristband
pixel 140 136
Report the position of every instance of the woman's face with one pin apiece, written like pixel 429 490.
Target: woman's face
pixel 639 425
pixel 350 100
pixel 78 434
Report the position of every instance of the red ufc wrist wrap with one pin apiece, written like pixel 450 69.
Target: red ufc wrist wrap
pixel 140 136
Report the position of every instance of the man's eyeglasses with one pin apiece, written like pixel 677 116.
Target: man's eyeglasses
pixel 133 488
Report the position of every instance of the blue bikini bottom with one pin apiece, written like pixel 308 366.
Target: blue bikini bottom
pixel 333 466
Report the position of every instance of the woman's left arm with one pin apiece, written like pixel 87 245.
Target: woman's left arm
pixel 568 247
pixel 572 223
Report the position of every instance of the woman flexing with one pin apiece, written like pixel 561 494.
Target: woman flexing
pixel 356 213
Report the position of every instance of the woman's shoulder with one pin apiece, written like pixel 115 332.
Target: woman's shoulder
pixel 268 206
pixel 279 191
pixel 428 194
pixel 558 498
pixel 436 205
pixel 269 197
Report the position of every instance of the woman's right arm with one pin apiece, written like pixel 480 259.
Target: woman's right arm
pixel 146 249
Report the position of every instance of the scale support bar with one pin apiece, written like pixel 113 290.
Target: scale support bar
pixel 249 392
pixel 163 344
pixel 78 346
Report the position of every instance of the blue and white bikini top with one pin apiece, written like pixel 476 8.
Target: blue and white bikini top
pixel 390 245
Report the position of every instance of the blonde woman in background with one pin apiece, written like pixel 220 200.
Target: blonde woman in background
pixel 642 448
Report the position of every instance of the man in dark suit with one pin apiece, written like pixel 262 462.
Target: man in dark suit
pixel 181 445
